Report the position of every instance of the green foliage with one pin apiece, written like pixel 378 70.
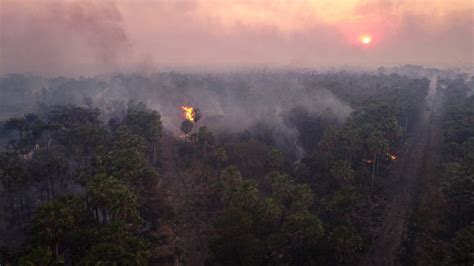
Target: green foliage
pixel 5 255
pixel 220 156
pixel 347 242
pixel 463 247
pixel 329 140
pixel 259 211
pixel 114 196
pixel 69 116
pixel 458 175
pixel 110 244
pixel 468 153
pixel 55 219
pixel 301 172
pixel 234 190
pixel 143 122
pixel 38 257
pixel 343 204
pixel 459 121
pixel 295 197
pixel 343 172
pixel 303 229
pixel 234 242
pixel 275 160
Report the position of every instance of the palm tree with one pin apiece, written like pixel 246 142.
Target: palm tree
pixel 113 196
pixel 54 219
pixel 377 144
pixel 342 171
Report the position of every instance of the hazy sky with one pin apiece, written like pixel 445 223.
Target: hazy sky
pixel 87 37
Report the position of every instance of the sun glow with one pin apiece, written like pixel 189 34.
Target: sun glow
pixel 365 39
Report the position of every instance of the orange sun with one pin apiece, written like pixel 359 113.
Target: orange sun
pixel 365 39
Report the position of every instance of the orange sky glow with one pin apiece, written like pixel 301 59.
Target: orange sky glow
pixel 106 35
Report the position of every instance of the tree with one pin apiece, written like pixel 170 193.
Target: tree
pixel 342 206
pixel 346 243
pixel 186 126
pixel 110 244
pixel 114 197
pixel 328 142
pixel 301 172
pixel 196 115
pixel 234 242
pixel 220 156
pixel 343 172
pixel 295 197
pixel 54 219
pixel 18 124
pixel 146 123
pixel 234 190
pixel 38 257
pixel 275 159
pixel 468 153
pixel 303 231
pixel 463 252
pixel 15 178
pixel 377 145
pixel 29 127
pixel 350 139
pixel 205 138
pixel 47 167
pixel 457 186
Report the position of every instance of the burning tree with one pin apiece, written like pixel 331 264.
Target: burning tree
pixel 187 126
pixel 192 116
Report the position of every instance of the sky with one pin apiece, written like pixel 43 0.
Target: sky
pixel 87 37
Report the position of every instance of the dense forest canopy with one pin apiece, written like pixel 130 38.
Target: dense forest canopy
pixel 274 167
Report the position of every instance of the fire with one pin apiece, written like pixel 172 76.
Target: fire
pixel 189 113
pixel 392 157
pixel 367 161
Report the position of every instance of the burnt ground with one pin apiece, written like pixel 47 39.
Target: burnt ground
pixel 416 172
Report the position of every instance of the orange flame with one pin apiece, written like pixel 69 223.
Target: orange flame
pixel 367 161
pixel 392 157
pixel 189 113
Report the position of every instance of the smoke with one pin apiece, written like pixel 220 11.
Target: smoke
pixel 233 102
pixel 276 106
pixel 48 37
pixel 75 37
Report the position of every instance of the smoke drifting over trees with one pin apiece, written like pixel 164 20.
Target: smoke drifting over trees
pixel 231 102
pixel 205 132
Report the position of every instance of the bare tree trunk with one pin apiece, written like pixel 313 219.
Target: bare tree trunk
pixel 27 199
pixel 104 216
pixel 96 213
pixel 154 153
pixel 47 190
pixel 56 248
pixel 373 172
pixel 52 186
pixel 41 195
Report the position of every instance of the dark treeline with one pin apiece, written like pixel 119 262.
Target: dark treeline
pixel 442 231
pixel 457 185
pixel 92 178
pixel 272 101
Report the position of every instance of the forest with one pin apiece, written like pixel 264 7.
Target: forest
pixel 268 167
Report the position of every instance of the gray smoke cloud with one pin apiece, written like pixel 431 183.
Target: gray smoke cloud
pixel 48 37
